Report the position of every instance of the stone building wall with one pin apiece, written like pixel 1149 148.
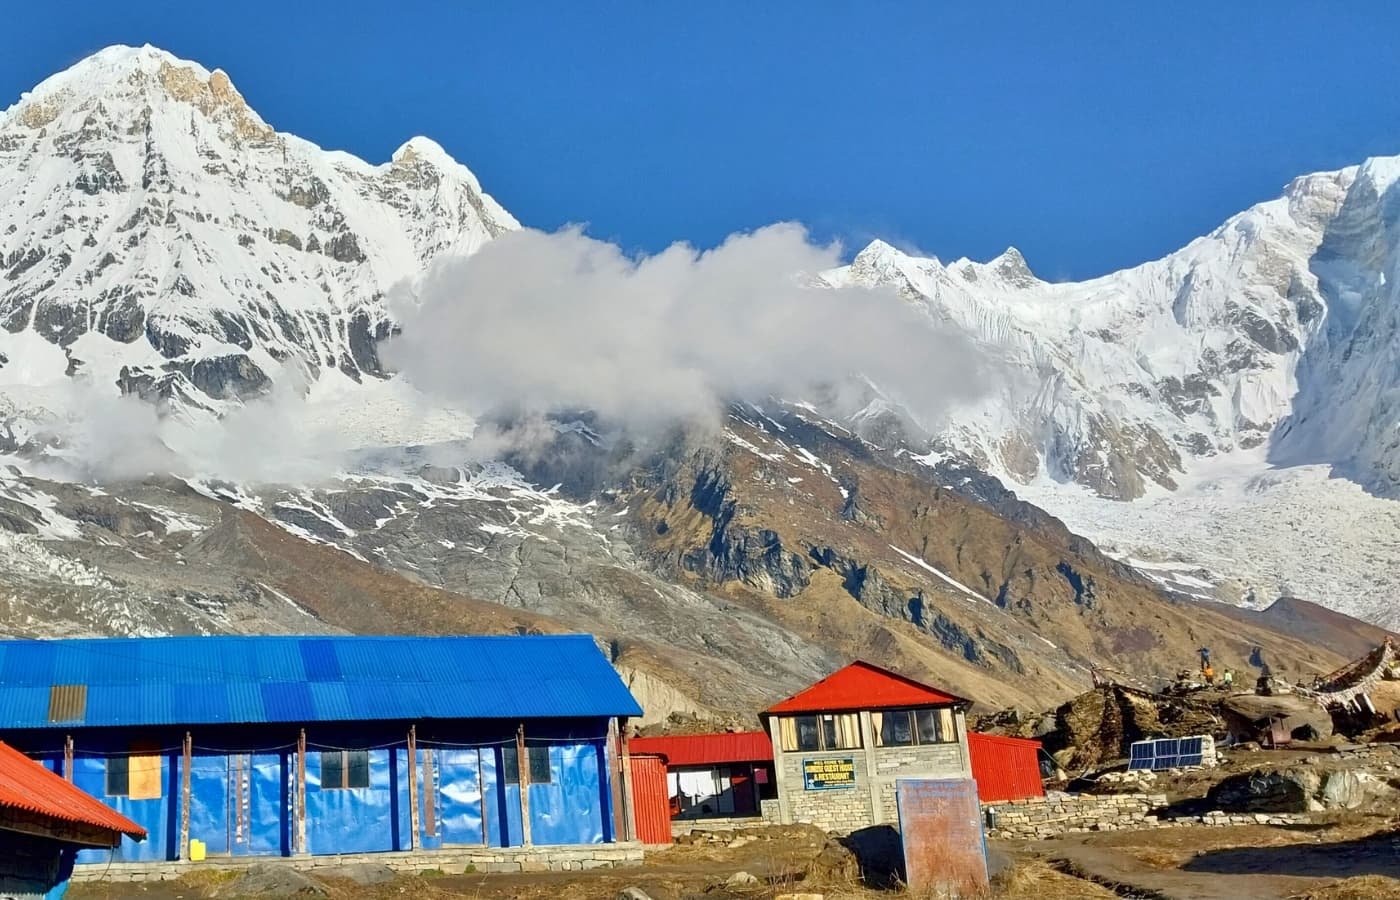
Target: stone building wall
pixel 836 809
pixel 871 801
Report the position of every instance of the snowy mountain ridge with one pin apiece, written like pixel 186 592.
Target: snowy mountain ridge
pixel 160 240
pixel 1223 388
pixel 1131 375
pixel 156 234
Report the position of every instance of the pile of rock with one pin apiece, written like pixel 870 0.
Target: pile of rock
pixel 1301 789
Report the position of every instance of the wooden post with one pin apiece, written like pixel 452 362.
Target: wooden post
pixel 615 777
pixel 481 792
pixel 779 781
pixel 68 759
pixel 629 807
pixel 186 761
pixel 413 786
pixel 867 739
pixel 301 791
pixel 522 762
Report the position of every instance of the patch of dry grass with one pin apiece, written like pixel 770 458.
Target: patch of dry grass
pixel 1367 887
pixel 1037 880
pixel 1160 858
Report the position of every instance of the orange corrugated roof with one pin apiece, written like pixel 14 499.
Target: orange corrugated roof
pixel 863 686
pixel 27 785
pixel 707 749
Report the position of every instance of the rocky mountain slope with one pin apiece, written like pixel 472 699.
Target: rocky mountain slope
pixel 169 258
pixel 1223 388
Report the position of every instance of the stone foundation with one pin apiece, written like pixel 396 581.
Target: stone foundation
pixel 449 861
pixel 731 823
pixel 1044 817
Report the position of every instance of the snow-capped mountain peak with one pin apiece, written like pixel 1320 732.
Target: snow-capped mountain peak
pixel 166 241
pixel 1131 376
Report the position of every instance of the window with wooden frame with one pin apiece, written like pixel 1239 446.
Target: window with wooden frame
pixel 540 770
pixel 914 727
pixel 344 769
pixel 136 775
pixel 118 776
pixel 826 731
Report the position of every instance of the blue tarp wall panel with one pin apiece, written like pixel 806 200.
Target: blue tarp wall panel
pixel 243 796
pixel 456 796
pixel 359 820
pixel 159 816
pixel 211 808
pixel 568 810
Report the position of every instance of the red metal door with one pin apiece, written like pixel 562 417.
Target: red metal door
pixel 651 800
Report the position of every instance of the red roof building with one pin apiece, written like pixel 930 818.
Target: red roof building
pixel 842 745
pixel 864 686
pixel 34 800
pixel 708 749
pixel 706 776
pixel 44 822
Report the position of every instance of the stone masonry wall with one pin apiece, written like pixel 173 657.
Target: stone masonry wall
pixel 925 761
pixel 843 810
pixel 1043 817
pixel 838 809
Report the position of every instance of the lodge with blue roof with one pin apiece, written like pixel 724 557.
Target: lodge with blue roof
pixel 287 746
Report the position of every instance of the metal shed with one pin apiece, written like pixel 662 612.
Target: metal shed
pixel 288 745
pixel 1005 768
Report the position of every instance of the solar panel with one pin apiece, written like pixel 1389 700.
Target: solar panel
pixel 1166 753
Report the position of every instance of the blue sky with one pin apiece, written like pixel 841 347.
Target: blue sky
pixel 1091 135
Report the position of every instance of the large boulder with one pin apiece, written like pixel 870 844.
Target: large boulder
pixel 1268 790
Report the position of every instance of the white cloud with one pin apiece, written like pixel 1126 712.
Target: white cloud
pixel 542 323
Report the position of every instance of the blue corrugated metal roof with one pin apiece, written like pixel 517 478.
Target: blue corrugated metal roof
pixel 214 680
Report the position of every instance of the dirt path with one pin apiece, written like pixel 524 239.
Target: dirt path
pixel 1225 863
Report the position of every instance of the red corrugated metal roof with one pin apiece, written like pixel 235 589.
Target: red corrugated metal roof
pixel 1024 743
pixel 707 749
pixel 863 686
pixel 27 785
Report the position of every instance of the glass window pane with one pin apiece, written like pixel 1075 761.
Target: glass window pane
pixel 540 771
pixel 510 765
pixel 807 733
pixel 118 774
pixel 357 769
pixel 828 732
pixel 787 734
pixel 847 732
pixel 930 731
pixel 897 729
pixel 332 770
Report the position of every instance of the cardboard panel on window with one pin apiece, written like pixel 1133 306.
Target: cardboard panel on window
pixel 144 772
